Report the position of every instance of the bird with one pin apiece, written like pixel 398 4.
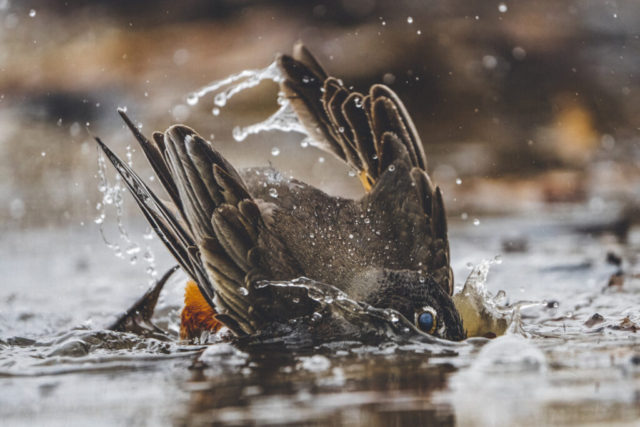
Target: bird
pixel 231 229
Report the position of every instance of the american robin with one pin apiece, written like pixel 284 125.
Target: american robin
pixel 230 229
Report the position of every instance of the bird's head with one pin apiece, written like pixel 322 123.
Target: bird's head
pixel 421 300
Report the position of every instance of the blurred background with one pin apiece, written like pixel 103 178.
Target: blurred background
pixel 525 108
pixel 527 103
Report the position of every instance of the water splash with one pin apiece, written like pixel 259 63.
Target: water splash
pixel 247 79
pixel 112 194
pixel 307 312
pixel 285 119
pixel 482 312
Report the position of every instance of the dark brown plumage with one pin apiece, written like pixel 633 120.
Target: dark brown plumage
pixel 389 249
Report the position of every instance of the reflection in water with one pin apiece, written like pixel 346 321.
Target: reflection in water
pixel 349 385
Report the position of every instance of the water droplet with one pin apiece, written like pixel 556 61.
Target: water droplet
pixel 43 154
pixel 193 98
pixel 312 235
pixel 392 168
pixel 132 249
pixel 133 260
pixel 569 314
pixel 341 129
pixel 498 259
pixel 261 285
pixel 32 13
pixel 273 192
pixel 470 266
pixel 410 20
pixel 275 151
pixel 351 236
pixel 458 181
pixel 316 318
pixel 502 7
pixel 321 159
pixel 305 79
pixel 148 256
pixel 220 99
pixel 367 220
pixel 476 221
pixel 421 278
pixel 215 111
pixel 243 291
pixel 238 134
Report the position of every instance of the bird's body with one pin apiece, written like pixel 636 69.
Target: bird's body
pixel 231 229
pixel 337 240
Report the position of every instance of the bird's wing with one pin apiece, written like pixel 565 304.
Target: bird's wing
pixel 370 133
pixel 223 244
pixel 350 125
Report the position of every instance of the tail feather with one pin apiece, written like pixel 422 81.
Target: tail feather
pixel 164 223
pixel 155 155
pixel 220 247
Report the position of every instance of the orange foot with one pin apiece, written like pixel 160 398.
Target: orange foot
pixel 197 315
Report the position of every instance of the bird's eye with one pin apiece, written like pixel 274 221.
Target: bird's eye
pixel 427 322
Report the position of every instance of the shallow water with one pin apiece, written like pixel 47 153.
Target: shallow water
pixel 562 372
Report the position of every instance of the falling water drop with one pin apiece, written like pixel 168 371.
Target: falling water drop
pixel 275 151
pixel 193 98
pixel 273 193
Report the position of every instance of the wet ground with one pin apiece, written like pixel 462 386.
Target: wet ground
pixel 570 367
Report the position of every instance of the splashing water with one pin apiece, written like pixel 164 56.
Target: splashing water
pixel 112 195
pixel 481 312
pixel 284 119
pixel 246 78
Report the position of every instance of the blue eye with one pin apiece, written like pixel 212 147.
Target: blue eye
pixel 426 322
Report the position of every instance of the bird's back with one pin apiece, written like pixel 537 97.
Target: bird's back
pixel 337 240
